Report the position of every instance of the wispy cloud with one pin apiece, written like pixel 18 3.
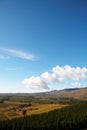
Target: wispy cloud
pixel 18 53
pixel 3 57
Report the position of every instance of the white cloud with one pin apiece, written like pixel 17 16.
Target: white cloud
pixel 59 74
pixel 36 83
pixel 50 77
pixel 18 53
pixel 76 84
pixel 68 72
pixel 47 77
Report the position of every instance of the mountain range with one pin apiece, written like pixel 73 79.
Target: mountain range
pixel 75 93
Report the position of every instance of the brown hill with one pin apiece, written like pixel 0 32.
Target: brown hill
pixel 76 93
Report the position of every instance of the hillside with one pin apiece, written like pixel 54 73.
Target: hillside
pixel 75 93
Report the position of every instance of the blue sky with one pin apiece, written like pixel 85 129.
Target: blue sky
pixel 43 45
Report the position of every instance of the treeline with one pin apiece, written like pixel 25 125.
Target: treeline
pixel 25 105
pixel 33 99
pixel 68 118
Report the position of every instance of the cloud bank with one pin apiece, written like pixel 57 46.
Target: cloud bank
pixel 58 74
pixel 18 54
pixel 36 83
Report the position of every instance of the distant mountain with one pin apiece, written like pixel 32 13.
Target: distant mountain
pixel 76 93
pixel 71 89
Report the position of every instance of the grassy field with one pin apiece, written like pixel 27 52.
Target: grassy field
pixel 9 110
pixel 41 108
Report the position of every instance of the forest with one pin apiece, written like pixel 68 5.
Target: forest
pixel 73 117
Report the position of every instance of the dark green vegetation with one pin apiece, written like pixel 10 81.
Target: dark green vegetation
pixel 55 110
pixel 69 118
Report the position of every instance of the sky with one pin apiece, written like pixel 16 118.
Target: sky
pixel 43 45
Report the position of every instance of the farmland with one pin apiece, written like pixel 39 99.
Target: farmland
pixel 17 110
pixel 10 110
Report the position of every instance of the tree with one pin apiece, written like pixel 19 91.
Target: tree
pixel 24 112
